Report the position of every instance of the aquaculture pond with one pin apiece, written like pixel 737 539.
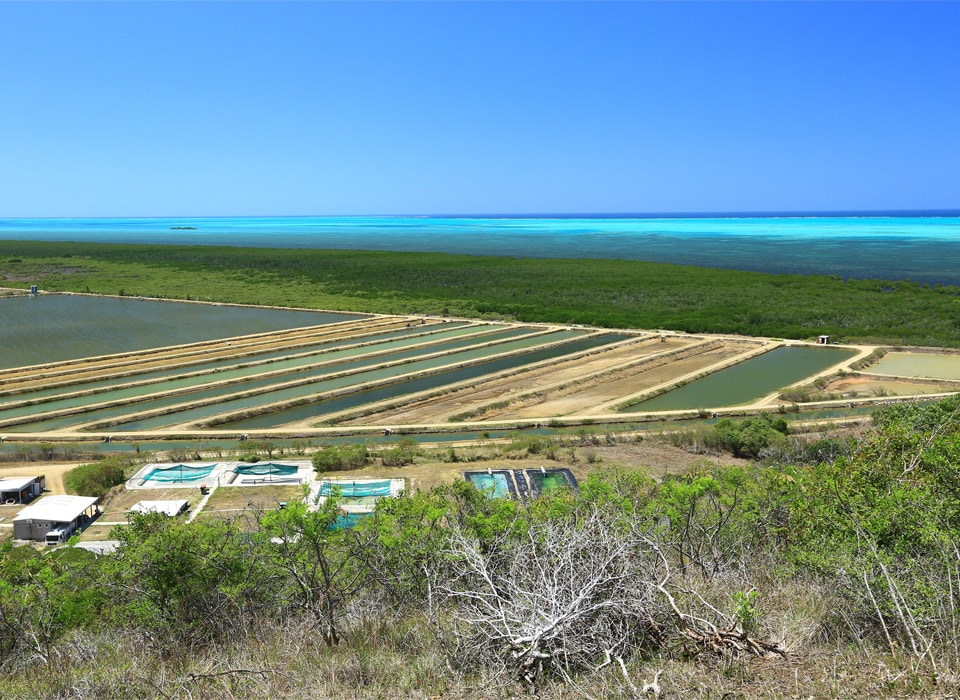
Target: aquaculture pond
pixel 546 480
pixel 178 473
pixel 495 484
pixel 56 327
pixel 748 381
pixel 177 390
pixel 266 469
pixel 348 521
pixel 924 365
pixel 428 381
pixel 367 369
pixel 225 368
pixel 356 489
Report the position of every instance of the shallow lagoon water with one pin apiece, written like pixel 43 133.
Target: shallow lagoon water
pixel 894 247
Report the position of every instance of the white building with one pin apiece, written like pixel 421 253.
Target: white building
pixel 20 489
pixel 170 508
pixel 53 519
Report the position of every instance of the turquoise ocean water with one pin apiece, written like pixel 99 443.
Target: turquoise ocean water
pixel 923 248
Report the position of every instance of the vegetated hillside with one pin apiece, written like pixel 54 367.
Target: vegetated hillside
pixel 828 571
pixel 609 293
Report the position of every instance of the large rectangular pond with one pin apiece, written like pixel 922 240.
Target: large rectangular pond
pixel 57 327
pixel 747 381
pixel 923 365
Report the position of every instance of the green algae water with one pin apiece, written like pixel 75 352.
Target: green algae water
pixel 747 381
pixel 921 365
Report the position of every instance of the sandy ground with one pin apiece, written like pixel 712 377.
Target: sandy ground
pixel 54 483
pixel 52 471
pixel 855 387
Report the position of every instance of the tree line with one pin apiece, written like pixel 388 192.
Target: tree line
pixel 606 293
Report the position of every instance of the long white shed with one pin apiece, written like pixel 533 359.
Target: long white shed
pixel 171 508
pixel 53 519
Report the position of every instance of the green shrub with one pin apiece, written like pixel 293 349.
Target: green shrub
pixel 341 458
pixel 404 453
pixel 96 478
pixel 747 438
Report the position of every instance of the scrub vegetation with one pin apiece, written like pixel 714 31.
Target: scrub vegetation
pixel 827 570
pixel 606 293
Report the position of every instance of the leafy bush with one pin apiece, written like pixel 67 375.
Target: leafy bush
pixel 97 478
pixel 341 458
pixel 404 453
pixel 747 438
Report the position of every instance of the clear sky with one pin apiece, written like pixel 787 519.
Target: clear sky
pixel 312 108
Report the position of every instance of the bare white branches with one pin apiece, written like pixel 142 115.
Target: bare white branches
pixel 570 594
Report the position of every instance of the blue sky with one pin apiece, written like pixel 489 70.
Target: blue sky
pixel 247 108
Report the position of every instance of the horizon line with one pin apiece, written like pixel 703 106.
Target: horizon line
pixel 792 213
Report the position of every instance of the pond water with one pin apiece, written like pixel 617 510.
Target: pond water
pixel 367 370
pixel 266 469
pixel 543 481
pixel 56 327
pixel 747 381
pixel 181 387
pixel 356 489
pixel 179 473
pixel 918 364
pixel 238 367
pixel 494 484
pixel 423 383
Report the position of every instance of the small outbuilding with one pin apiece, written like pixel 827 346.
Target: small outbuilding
pixel 823 340
pixel 53 519
pixel 21 489
pixel 170 508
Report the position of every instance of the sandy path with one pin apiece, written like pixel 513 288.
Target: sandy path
pixel 52 471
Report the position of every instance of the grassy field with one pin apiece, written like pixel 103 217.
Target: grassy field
pixel 606 293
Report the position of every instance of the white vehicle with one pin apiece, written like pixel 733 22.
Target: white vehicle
pixel 60 535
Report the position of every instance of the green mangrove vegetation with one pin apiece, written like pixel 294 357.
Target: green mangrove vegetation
pixel 606 293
